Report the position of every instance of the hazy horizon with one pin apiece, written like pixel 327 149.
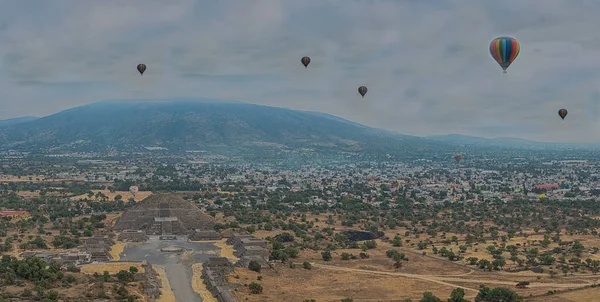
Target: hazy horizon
pixel 427 64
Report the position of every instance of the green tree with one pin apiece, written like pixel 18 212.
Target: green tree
pixel 125 276
pixel 106 276
pixel 498 294
pixel 457 295
pixel 429 297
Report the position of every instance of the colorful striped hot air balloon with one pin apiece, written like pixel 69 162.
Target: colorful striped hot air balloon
pixel 305 61
pixel 504 50
pixel 362 90
pixel 562 113
pixel 141 68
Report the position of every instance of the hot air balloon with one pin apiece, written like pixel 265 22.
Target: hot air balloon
pixel 362 90
pixel 562 113
pixel 504 50
pixel 133 190
pixel 305 61
pixel 458 158
pixel 141 68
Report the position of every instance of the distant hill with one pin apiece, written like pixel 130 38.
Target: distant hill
pixel 506 142
pixel 230 128
pixel 17 120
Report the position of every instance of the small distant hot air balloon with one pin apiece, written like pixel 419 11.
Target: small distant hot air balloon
pixel 562 113
pixel 133 190
pixel 362 90
pixel 305 61
pixel 504 50
pixel 141 68
pixel 458 158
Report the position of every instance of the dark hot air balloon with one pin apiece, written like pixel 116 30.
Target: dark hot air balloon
pixel 362 90
pixel 458 158
pixel 305 61
pixel 141 68
pixel 504 50
pixel 562 113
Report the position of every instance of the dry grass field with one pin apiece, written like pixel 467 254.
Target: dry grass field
pixel 577 295
pixel 226 250
pixel 110 267
pixel 376 278
pixel 331 285
pixel 167 293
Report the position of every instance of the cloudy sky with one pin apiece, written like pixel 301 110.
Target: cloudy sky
pixel 426 63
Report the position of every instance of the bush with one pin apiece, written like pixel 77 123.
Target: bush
pixel 307 265
pixel 326 255
pixel 255 288
pixel 254 266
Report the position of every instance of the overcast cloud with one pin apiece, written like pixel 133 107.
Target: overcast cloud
pixel 426 63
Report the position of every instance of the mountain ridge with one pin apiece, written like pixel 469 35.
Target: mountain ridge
pixel 231 127
pixel 17 120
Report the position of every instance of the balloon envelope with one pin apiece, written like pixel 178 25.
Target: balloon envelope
pixel 362 90
pixel 305 61
pixel 562 113
pixel 141 68
pixel 504 50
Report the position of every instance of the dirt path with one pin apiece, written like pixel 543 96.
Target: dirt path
pixel 330 267
pixel 443 279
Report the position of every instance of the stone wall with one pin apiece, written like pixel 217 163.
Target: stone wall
pixel 132 236
pixel 152 284
pixel 204 235
pixel 253 251
pixel 214 274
